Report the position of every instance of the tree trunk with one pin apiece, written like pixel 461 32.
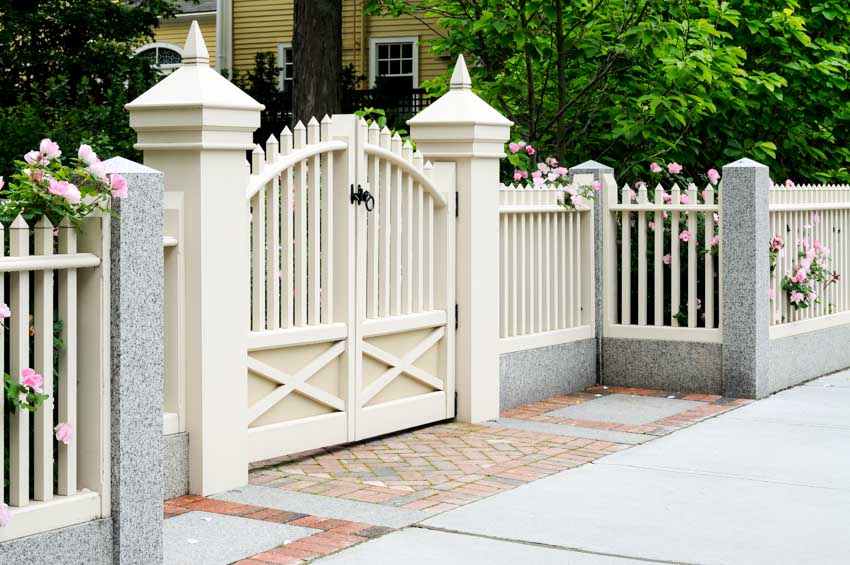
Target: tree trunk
pixel 317 58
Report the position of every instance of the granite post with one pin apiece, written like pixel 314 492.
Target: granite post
pixel 745 278
pixel 597 170
pixel 137 358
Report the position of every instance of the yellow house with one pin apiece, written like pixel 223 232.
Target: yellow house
pixel 236 30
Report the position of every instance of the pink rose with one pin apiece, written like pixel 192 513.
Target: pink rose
pixel 49 149
pixel 86 154
pixel 715 240
pixel 513 147
pixel 668 198
pixel 666 259
pixel 577 200
pixel 73 195
pixel 32 379
pixel 686 235
pixel 2 183
pixel 59 188
pixel 563 171
pixel 560 196
pixel 713 176
pixel 683 199
pixel 5 515
pixel 716 217
pixel 651 225
pixel 521 144
pixel 552 162
pixel 37 175
pixel 64 433
pixel 543 167
pixel 118 186
pixel 776 243
pixel 517 174
pixel 772 294
pixel 796 297
pixel 655 167
pixel 97 170
pixel 529 149
pixel 596 186
pixel 789 183
pixel 5 311
pixel 674 168
pixel 32 157
pixel 536 175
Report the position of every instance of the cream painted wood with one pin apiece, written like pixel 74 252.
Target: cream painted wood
pixel 67 394
pixel 272 239
pixel 19 301
pixel 287 222
pixel 300 237
pixel 59 512
pixel 195 127
pixel 175 311
pixel 675 269
pixel 558 241
pixel 258 247
pixel 314 231
pixel 642 267
pixel 658 263
pixel 43 357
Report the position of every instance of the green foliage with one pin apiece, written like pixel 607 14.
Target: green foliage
pixel 262 83
pixel 701 82
pixel 380 117
pixel 68 70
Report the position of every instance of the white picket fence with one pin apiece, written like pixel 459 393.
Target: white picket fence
pixel 800 215
pixel 670 283
pixel 547 279
pixel 66 269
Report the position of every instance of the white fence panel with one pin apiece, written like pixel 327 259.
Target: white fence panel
pixel 547 273
pixel 671 239
pixel 52 484
pixel 802 215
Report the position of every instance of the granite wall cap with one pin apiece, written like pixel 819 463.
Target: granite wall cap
pixel 592 165
pixel 126 166
pixel 745 163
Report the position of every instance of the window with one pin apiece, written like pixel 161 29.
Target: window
pixel 394 62
pixel 164 56
pixel 285 61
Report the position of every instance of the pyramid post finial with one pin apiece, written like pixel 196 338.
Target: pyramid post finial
pixel 460 76
pixel 195 51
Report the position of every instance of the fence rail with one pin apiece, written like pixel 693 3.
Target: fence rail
pixel 58 294
pixel 664 250
pixel 174 407
pixel 546 266
pixel 802 215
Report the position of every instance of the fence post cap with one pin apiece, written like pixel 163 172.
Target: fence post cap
pixel 126 166
pixel 591 165
pixel 745 163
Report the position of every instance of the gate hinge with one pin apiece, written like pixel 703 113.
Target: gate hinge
pixel 457 316
pixel 457 204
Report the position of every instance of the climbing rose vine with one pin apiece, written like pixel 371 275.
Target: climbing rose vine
pixel 802 284
pixel 43 185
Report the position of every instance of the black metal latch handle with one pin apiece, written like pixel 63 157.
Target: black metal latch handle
pixel 361 196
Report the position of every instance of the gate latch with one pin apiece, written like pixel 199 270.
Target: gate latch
pixel 361 196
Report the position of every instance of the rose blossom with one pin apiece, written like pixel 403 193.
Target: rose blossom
pixel 596 186
pixel 5 515
pixel 655 167
pixel 713 176
pixel 514 147
pixel 789 183
pixel 5 311
pixel 32 379
pixel 85 153
pixel 118 186
pixel 529 149
pixel 674 168
pixel 64 433
pixel 666 259
pixel 686 236
pixel 797 297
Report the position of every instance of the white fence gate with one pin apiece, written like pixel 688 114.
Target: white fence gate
pixel 352 288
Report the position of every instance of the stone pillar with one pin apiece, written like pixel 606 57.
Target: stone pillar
pixel 460 127
pixel 136 325
pixel 195 126
pixel 745 278
pixel 597 170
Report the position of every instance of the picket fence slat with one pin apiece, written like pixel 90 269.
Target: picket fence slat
pixel 43 356
pixel 19 360
pixel 67 397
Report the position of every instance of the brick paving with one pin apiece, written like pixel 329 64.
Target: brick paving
pixel 435 468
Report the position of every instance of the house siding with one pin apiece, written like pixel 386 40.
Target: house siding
pixel 175 32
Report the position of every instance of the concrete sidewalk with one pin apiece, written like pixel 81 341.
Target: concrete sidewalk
pixel 768 483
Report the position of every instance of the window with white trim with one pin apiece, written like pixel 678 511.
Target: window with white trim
pixel 286 63
pixel 163 56
pixel 394 62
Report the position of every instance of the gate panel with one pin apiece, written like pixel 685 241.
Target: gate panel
pixel 405 326
pixel 299 360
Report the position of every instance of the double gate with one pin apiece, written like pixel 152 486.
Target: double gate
pixel 352 288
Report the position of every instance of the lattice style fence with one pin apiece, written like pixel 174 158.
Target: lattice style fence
pixel 663 247
pixel 546 267
pixel 803 215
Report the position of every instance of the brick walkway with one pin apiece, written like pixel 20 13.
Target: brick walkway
pixel 436 468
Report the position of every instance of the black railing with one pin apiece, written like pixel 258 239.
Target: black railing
pixel 404 104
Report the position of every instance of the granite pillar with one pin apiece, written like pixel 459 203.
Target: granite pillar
pixel 745 278
pixel 137 365
pixel 597 170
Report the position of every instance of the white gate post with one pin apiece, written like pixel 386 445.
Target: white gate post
pixel 195 127
pixel 462 128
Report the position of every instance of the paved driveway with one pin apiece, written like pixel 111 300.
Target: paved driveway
pixel 768 483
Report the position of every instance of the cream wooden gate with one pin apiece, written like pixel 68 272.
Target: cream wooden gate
pixel 352 288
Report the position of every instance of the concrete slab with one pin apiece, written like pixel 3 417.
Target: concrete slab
pixel 626 409
pixel 417 546
pixel 801 406
pixel 760 450
pixel 325 506
pixel 663 515
pixel 572 431
pixel 203 538
pixel 841 380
